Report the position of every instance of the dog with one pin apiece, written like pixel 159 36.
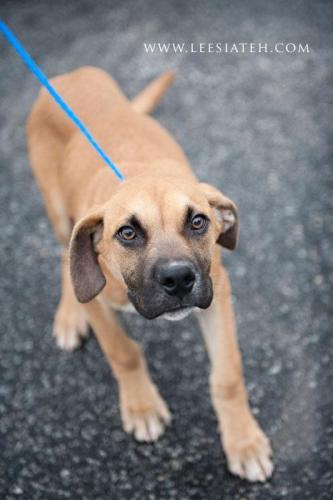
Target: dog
pixel 151 243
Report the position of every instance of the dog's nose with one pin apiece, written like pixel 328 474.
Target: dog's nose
pixel 176 278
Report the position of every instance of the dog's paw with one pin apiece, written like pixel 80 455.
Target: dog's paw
pixel 144 413
pixel 70 327
pixel 249 455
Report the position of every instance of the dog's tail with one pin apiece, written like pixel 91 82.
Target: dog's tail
pixel 150 96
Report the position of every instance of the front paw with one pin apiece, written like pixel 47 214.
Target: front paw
pixel 248 452
pixel 144 413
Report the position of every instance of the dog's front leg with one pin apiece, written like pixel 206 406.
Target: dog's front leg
pixel 246 446
pixel 143 411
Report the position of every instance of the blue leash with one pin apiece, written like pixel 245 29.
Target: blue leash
pixel 27 59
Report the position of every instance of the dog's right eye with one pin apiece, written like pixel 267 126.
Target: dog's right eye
pixel 126 233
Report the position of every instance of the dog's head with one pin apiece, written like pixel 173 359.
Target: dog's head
pixel 158 238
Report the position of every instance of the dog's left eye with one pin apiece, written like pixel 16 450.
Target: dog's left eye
pixel 198 222
pixel 127 233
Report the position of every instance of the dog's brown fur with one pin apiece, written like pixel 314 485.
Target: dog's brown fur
pixel 79 191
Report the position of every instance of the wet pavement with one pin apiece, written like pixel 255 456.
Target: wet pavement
pixel 258 126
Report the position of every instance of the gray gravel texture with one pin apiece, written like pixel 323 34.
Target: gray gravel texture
pixel 258 126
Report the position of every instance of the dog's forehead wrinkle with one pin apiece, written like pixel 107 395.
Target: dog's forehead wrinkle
pixel 174 207
pixel 142 206
pixel 164 207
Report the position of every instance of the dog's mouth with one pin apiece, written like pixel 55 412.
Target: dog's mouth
pixel 154 305
pixel 178 313
pixel 173 314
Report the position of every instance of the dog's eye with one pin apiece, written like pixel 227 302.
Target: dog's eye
pixel 198 222
pixel 127 233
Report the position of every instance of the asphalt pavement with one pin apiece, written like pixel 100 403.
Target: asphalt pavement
pixel 258 126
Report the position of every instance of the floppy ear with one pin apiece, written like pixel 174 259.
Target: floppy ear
pixel 87 277
pixel 226 214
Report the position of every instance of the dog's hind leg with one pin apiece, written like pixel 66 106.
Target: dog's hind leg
pixel 70 322
pixel 45 153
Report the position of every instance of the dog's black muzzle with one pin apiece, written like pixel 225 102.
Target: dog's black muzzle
pixel 172 285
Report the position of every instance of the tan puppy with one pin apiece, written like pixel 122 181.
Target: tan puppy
pixel 151 242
